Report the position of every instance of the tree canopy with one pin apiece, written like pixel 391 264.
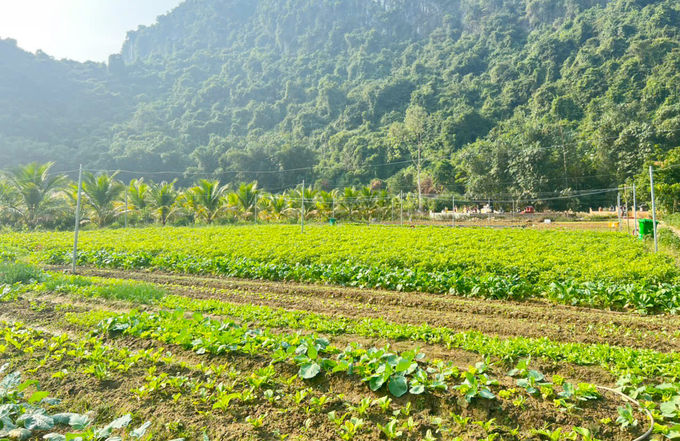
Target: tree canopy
pixel 522 97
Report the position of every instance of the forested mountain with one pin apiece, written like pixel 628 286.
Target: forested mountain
pixel 530 97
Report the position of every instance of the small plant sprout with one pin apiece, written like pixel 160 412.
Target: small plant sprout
pixel 350 428
pixel 550 435
pixel 626 417
pixel 271 396
pixel 404 411
pixel 409 425
pixel 362 408
pixel 316 404
pixel 429 436
pixel 488 426
pixel 390 429
pixel 383 403
pixel 256 422
pixel 586 434
pixel 335 419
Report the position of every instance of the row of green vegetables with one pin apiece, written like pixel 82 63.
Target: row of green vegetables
pixel 400 373
pixel 537 257
pixel 641 371
pixel 620 361
pixel 644 297
pixel 220 386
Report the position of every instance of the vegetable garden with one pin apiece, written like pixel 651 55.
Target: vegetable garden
pixel 350 333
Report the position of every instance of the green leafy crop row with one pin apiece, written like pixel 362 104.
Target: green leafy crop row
pixel 618 360
pixel 581 268
pixel 400 373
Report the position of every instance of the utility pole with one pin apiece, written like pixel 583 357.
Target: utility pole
pixel 401 206
pixel 453 210
pixel 635 225
pixel 420 193
pixel 625 204
pixel 77 229
pixel 257 198
pixel 126 206
pixel 618 209
pixel 488 203
pixel 651 186
pixel 302 213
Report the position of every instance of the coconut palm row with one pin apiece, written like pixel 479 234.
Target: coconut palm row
pixel 33 196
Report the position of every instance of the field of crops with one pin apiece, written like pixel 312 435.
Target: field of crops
pixel 597 269
pixel 251 333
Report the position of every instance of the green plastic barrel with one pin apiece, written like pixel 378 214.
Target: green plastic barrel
pixel 646 228
pixel 332 221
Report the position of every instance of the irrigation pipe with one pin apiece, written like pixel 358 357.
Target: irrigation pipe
pixel 645 435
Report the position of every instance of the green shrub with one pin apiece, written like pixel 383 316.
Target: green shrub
pixel 669 238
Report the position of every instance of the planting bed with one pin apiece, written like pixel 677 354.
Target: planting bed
pixel 141 354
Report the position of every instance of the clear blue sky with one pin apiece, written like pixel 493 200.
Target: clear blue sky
pixel 77 29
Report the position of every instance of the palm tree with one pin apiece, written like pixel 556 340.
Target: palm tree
pixel 101 192
pixel 36 190
pixel 382 203
pixel 245 199
pixel 349 201
pixel 138 194
pixel 188 200
pixel 325 203
pixel 138 199
pixel 296 196
pixel 207 199
pixel 366 202
pixel 276 206
pixel 163 198
pixel 9 200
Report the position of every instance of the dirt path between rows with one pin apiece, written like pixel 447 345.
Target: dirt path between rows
pixel 502 318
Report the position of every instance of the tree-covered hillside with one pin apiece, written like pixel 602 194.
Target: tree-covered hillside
pixel 530 97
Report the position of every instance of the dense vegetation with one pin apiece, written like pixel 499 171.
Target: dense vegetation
pixel 32 196
pixel 530 97
pixel 602 270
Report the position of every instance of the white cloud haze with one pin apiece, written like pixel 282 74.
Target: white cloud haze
pixel 77 29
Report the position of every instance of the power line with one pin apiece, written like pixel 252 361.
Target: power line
pixel 240 171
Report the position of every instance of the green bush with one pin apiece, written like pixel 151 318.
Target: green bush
pixel 669 238
pixel 672 220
